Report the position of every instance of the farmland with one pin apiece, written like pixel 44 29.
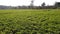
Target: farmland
pixel 28 21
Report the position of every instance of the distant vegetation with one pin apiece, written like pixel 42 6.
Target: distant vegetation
pixel 30 21
pixel 31 6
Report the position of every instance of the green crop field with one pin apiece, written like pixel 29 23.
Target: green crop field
pixel 28 21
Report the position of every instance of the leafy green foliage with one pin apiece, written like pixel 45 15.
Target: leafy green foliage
pixel 30 21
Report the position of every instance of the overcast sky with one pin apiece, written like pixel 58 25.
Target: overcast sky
pixel 26 2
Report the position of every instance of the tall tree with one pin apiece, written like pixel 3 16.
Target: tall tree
pixel 32 4
pixel 43 4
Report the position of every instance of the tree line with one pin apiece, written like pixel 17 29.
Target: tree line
pixel 31 6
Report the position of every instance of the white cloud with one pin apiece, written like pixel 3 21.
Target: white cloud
pixel 26 2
